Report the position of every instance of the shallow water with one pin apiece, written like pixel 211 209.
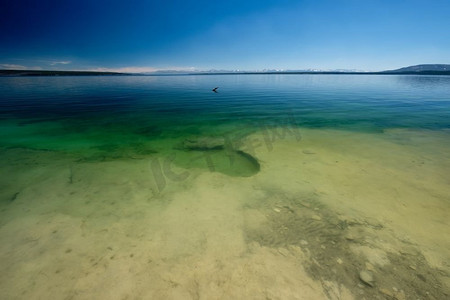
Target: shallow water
pixel 277 186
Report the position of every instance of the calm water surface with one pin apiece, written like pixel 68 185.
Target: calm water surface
pixel 78 112
pixel 276 187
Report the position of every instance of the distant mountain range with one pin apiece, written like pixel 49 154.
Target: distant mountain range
pixel 427 69
pixel 422 69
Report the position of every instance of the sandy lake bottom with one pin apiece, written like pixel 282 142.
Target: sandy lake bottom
pixel 332 214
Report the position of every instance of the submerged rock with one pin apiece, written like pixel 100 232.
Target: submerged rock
pixel 350 237
pixel 316 217
pixel 216 155
pixel 202 144
pixel 366 277
pixel 370 267
pixel 387 292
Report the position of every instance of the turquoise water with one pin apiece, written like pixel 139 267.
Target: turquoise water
pixel 122 117
pixel 277 186
pixel 68 113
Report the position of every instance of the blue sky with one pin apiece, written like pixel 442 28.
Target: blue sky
pixel 137 35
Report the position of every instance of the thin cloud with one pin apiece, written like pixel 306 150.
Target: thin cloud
pixel 18 67
pixel 12 67
pixel 65 62
pixel 140 69
pixel 126 70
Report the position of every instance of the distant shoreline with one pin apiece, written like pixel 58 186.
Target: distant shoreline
pixel 54 73
pixel 19 73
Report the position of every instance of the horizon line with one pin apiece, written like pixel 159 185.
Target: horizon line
pixel 185 70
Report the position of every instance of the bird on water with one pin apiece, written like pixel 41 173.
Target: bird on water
pixel 215 89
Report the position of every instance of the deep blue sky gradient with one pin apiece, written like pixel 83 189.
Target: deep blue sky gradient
pixel 246 35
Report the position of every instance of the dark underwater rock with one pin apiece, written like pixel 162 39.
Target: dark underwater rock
pixel 202 144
